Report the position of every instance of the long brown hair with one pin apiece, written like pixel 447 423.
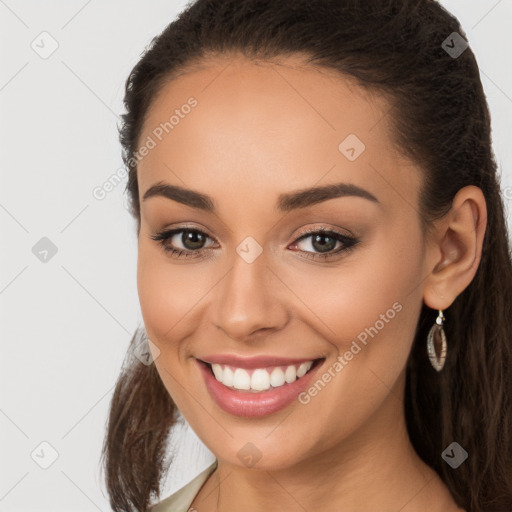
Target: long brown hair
pixel 440 119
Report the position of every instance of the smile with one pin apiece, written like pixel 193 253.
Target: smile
pixel 258 391
pixel 259 379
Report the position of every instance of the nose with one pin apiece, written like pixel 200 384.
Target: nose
pixel 251 300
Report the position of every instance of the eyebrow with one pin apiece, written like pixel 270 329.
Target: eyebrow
pixel 286 202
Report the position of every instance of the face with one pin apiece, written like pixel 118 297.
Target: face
pixel 330 278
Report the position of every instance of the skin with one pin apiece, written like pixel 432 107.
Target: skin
pixel 259 130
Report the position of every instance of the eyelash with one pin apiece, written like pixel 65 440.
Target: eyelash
pixel 348 242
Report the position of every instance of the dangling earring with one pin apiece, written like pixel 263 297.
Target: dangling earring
pixel 437 339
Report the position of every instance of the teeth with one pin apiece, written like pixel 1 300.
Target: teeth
pixel 217 371
pixel 290 374
pixel 277 378
pixel 261 379
pixel 226 376
pixel 241 379
pixel 303 368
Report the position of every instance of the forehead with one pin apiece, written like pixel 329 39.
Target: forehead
pixel 275 126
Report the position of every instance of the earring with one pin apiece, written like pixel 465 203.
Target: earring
pixel 436 342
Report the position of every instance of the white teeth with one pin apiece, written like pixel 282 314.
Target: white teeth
pixel 227 376
pixel 261 379
pixel 241 379
pixel 217 371
pixel 303 368
pixel 277 378
pixel 290 374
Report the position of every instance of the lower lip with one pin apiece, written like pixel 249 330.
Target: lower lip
pixel 252 405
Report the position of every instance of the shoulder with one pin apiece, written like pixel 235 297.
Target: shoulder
pixel 181 500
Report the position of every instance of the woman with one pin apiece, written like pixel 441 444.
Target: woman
pixel 324 268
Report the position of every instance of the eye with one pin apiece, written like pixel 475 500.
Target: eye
pixel 192 240
pixel 193 243
pixel 325 242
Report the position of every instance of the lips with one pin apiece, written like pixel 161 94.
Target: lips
pixel 249 404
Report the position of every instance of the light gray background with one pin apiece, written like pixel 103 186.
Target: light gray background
pixel 66 323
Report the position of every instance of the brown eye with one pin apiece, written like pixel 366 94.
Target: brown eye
pixel 192 241
pixel 323 242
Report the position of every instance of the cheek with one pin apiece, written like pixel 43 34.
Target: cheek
pixel 160 307
pixel 154 294
pixel 167 292
pixel 370 304
pixel 369 313
pixel 163 303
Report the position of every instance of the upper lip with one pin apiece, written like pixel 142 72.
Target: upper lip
pixel 253 362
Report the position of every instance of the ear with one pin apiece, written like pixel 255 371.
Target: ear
pixel 455 249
